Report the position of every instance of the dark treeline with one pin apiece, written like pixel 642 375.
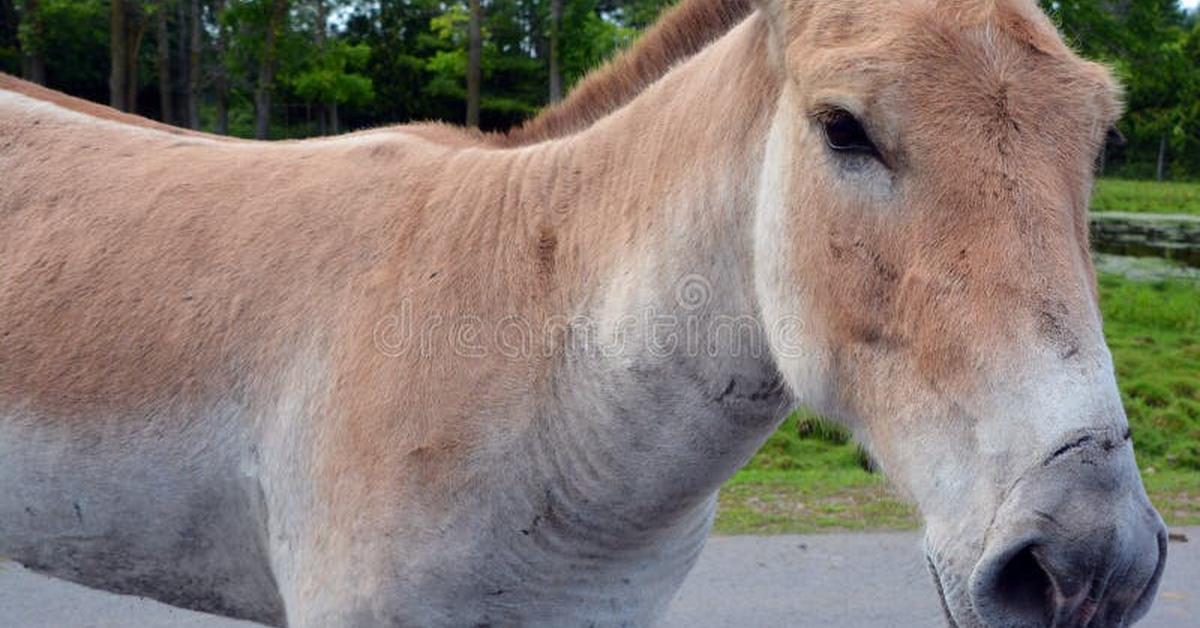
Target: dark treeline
pixel 293 68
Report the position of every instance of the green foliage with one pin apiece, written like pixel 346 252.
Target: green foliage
pixel 74 42
pixel 1119 195
pixel 1155 50
pixel 389 61
pixel 330 75
pixel 247 22
pixel 639 14
pixel 241 116
pixel 381 62
pixel 448 66
pixel 591 38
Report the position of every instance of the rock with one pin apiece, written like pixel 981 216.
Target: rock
pixel 1173 236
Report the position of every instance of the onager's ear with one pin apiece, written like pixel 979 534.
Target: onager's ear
pixel 786 17
pixel 817 23
pixel 770 7
pixel 774 10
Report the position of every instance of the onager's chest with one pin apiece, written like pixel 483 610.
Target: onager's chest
pixel 595 525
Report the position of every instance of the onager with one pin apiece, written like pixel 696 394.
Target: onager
pixel 420 376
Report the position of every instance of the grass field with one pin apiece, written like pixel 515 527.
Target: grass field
pixel 1118 195
pixel 809 477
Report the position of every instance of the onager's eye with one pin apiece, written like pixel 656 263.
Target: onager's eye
pixel 845 134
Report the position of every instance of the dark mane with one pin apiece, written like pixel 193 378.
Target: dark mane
pixel 680 33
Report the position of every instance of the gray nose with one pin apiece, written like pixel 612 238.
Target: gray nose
pixel 1075 544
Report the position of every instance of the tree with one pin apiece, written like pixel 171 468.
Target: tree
pixel 556 90
pixel 127 27
pixel 388 61
pixel 178 74
pixel 474 63
pixel 221 75
pixel 1187 140
pixel 118 53
pixel 32 33
pixel 1092 28
pixel 163 60
pixel 10 36
pixel 1143 41
pixel 192 90
pixel 591 35
pixel 266 69
pixel 331 78
pixel 327 113
pixel 1154 68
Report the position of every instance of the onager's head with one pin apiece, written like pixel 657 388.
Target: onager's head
pixel 923 208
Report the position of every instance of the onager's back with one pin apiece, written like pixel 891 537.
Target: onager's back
pixel 209 389
pixel 415 376
pixel 166 302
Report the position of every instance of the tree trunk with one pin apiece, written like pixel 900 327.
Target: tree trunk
pixel 1159 171
pixel 537 31
pixel 163 42
pixel 555 51
pixel 10 26
pixel 333 118
pixel 181 61
pixel 135 24
pixel 118 45
pixel 221 80
pixel 474 60
pixel 193 78
pixel 266 70
pixel 33 48
pixel 324 110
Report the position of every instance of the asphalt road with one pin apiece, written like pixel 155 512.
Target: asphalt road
pixel 852 580
pixel 862 581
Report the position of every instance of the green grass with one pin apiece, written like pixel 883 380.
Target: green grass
pixel 1176 493
pixel 1153 329
pixel 758 501
pixel 809 477
pixel 1120 195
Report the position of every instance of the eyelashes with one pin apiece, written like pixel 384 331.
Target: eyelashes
pixel 845 134
pixel 847 138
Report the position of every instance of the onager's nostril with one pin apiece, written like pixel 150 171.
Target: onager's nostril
pixel 1076 544
pixel 1023 589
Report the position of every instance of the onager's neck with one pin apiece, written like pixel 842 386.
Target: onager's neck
pixel 668 292
pixel 627 251
pixel 664 384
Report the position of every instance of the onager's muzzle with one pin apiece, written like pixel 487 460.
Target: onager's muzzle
pixel 1076 542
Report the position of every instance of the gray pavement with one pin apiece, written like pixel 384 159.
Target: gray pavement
pixel 862 581
pixel 851 580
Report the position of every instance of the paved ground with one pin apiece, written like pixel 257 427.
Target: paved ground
pixel 853 580
pixel 861 581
